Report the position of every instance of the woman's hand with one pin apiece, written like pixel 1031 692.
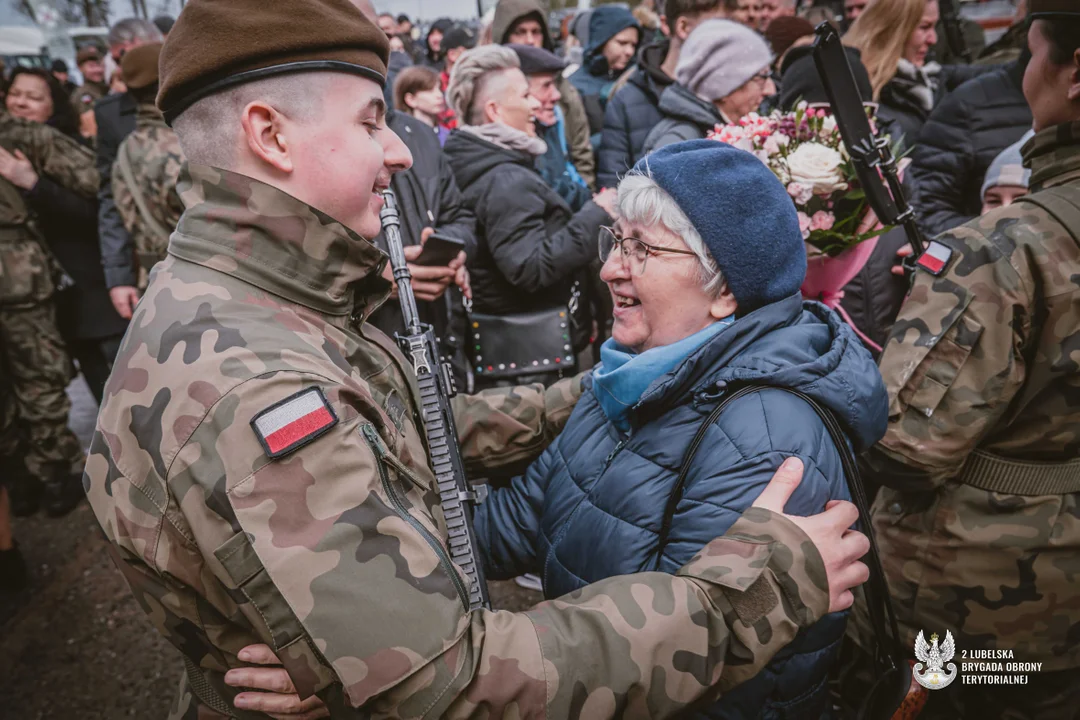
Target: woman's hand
pixel 275 693
pixel 17 169
pixel 901 255
pixel 607 199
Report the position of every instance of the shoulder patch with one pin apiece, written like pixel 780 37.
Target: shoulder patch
pixel 291 424
pixel 936 258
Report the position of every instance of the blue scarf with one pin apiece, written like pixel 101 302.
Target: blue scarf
pixel 622 376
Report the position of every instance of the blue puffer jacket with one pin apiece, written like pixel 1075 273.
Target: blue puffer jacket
pixel 591 506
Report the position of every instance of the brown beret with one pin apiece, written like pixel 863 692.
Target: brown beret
pixel 140 66
pixel 219 44
pixel 1053 8
pixel 87 54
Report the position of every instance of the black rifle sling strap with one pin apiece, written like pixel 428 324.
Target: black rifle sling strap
pixel 889 655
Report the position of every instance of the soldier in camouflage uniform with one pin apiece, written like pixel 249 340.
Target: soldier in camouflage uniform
pixel 979 522
pixel 93 88
pixel 259 465
pixel 148 166
pixel 34 353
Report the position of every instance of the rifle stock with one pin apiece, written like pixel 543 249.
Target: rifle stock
pixel 436 382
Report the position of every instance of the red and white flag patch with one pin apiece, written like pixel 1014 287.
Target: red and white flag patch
pixel 294 422
pixel 936 258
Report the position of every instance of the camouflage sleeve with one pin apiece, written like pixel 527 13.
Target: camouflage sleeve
pixel 124 199
pixel 336 563
pixel 511 427
pixel 61 159
pixel 955 358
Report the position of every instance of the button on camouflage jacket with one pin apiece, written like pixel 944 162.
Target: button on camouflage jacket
pixel 985 359
pixel 334 552
pixel 26 269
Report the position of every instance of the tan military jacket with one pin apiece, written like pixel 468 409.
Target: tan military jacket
pixel 984 363
pixel 26 269
pixel 84 96
pixel 332 547
pixel 150 207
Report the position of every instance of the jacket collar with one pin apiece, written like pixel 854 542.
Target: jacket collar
pixel 681 104
pixel 265 237
pixel 1053 156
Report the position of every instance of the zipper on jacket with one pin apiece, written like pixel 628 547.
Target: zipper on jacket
pixel 384 458
pixel 618 446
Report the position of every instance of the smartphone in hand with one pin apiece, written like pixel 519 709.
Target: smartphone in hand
pixel 440 250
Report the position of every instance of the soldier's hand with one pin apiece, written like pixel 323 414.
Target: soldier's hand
pixel 839 545
pixel 275 693
pixel 124 299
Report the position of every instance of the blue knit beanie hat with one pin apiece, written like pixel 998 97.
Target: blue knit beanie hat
pixel 742 212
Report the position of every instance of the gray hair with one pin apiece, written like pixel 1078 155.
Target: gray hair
pixel 470 80
pixel 208 129
pixel 643 202
pixel 134 30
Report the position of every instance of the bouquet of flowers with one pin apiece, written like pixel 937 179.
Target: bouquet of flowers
pixel 805 150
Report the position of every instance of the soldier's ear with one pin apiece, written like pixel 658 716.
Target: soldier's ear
pixel 265 135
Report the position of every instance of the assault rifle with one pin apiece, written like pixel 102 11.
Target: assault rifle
pixel 871 155
pixel 436 388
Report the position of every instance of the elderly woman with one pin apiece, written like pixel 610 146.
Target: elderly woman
pixel 704 265
pixel 530 270
pixel 724 73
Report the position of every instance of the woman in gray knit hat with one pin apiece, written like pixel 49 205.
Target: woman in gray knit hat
pixel 722 75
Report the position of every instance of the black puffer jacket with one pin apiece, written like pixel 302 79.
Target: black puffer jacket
pixel 428 196
pixel 531 248
pixel 873 297
pixel 632 111
pixel 962 137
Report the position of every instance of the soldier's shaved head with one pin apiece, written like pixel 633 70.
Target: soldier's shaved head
pixel 210 130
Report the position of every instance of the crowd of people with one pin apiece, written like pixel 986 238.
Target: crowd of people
pixel 621 300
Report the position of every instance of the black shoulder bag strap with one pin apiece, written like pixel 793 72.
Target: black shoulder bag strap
pixel 892 683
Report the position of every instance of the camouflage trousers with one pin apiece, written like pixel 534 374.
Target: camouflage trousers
pixel 37 370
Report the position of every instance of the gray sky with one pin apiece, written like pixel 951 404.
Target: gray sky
pixel 429 9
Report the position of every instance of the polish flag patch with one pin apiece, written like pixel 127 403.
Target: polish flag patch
pixel 936 258
pixel 294 422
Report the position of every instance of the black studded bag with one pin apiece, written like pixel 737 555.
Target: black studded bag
pixel 528 343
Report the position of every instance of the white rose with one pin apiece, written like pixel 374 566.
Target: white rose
pixel 817 166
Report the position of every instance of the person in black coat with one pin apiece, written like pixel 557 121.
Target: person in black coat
pixel 963 135
pixel 91 328
pixel 532 250
pixel 429 200
pixel 115 118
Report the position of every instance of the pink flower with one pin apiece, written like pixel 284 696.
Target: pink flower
pixel 821 221
pixel 805 225
pixel 800 193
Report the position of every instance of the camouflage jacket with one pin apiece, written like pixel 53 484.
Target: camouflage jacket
pixel 333 551
pixel 983 363
pixel 26 268
pixel 154 158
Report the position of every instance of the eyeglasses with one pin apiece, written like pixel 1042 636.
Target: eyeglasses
pixel 762 77
pixel 633 253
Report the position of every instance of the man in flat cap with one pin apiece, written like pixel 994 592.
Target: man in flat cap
pixel 259 464
pixel 147 167
pixel 979 522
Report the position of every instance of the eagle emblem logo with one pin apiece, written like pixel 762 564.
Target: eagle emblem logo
pixel 934 674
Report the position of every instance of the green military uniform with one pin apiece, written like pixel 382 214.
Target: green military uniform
pixel 34 353
pixel 979 525
pixel 84 96
pixel 335 553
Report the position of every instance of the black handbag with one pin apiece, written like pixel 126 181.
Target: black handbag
pixel 889 696
pixel 528 343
